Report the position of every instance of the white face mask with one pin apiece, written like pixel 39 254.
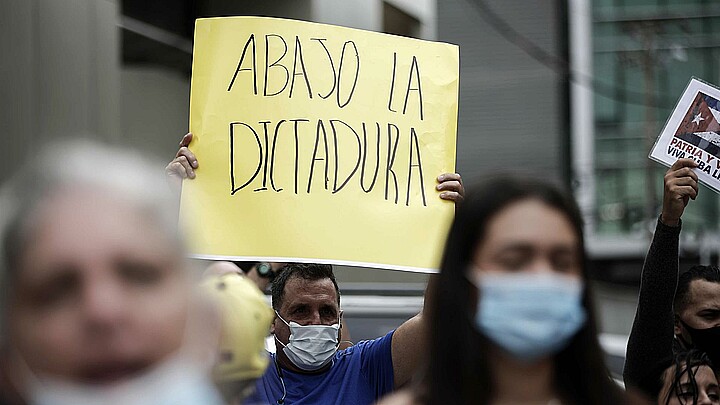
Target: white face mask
pixel 176 382
pixel 310 347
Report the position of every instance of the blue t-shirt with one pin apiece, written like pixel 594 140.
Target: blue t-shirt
pixel 359 375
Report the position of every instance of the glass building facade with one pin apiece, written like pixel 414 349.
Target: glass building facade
pixel 644 54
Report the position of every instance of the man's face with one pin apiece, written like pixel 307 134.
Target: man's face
pixel 307 302
pixel 99 294
pixel 703 308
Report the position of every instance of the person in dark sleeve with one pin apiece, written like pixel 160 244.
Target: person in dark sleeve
pixel 659 327
pixel 651 338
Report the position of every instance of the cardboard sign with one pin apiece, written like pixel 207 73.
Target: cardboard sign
pixel 693 131
pixel 319 143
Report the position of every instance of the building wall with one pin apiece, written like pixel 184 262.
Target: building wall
pixel 60 74
pixel 511 114
pixel 154 109
pixel 363 14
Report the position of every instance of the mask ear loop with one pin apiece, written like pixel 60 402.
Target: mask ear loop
pixel 282 382
pixel 278 340
pixel 275 336
pixel 340 316
pixel 280 401
pixel 282 319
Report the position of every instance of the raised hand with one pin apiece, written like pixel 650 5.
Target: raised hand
pixel 681 185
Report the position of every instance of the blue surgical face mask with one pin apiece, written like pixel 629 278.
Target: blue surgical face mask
pixel 529 315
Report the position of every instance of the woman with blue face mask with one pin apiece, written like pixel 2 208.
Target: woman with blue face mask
pixel 511 318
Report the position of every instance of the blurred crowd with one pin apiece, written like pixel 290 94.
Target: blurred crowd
pixel 100 304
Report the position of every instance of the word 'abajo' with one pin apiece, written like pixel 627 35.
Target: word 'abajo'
pixel 266 139
pixel 344 71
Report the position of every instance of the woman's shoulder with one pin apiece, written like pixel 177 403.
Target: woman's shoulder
pixel 403 397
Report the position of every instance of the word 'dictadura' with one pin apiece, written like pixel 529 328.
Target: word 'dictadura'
pixel 321 164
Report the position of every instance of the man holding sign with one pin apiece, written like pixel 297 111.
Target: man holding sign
pixel 678 311
pixel 320 144
pixel 675 311
pixel 306 299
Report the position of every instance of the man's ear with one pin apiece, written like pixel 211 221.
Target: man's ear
pixel 677 328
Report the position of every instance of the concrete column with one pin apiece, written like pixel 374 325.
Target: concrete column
pixel 582 121
pixel 59 74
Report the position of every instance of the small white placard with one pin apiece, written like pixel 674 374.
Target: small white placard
pixel 693 131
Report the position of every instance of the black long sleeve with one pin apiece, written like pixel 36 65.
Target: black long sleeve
pixel 651 338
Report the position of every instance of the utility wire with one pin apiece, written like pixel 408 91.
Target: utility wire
pixel 560 65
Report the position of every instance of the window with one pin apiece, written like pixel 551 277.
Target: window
pixel 640 48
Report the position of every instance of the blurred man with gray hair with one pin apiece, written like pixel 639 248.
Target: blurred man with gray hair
pixel 97 303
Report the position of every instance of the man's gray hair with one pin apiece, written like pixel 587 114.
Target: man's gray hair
pixel 126 175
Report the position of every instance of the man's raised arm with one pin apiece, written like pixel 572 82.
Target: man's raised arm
pixel 410 341
pixel 651 337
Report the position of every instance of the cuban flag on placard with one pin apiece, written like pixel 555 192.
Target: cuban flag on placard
pixel 701 124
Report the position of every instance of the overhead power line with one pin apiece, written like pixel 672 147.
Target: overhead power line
pixel 560 65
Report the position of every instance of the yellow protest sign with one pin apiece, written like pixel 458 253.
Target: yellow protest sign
pixel 319 143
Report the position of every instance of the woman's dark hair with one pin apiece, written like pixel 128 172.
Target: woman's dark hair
pixel 686 362
pixel 459 371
